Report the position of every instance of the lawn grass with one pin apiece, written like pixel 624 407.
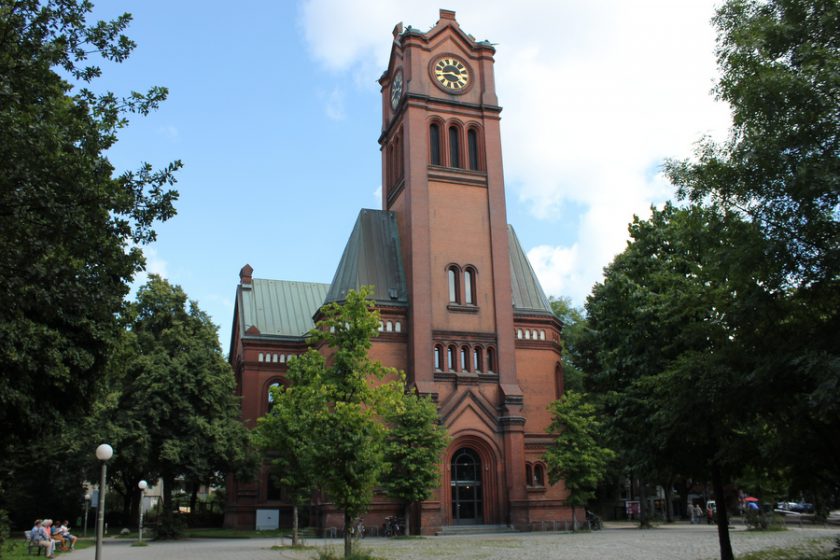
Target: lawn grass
pixel 240 534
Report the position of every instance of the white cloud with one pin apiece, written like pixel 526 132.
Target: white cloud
pixel 334 104
pixel 595 94
pixel 377 194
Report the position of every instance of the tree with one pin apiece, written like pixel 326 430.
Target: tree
pixel 780 170
pixel 285 434
pixel 348 430
pixel 577 457
pixel 574 327
pixel 174 413
pixel 70 230
pixel 413 446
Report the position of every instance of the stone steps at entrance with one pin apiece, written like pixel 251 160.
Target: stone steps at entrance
pixel 474 530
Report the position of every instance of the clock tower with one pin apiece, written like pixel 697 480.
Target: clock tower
pixel 442 179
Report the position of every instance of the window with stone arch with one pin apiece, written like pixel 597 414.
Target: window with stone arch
pixel 477 365
pixel 469 285
pixel 539 474
pixel 491 359
pixel 473 149
pixel 455 146
pixel 450 358
pixel 434 144
pixel 438 358
pixel 465 358
pixel 453 273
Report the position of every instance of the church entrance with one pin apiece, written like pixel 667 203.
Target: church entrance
pixel 467 504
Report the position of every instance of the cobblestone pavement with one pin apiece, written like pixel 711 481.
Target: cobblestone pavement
pixel 620 542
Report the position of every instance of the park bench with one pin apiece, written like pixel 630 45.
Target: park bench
pixel 30 544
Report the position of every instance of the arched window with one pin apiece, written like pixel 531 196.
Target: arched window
pixel 434 144
pixel 476 359
pixel 469 286
pixel 491 360
pixel 397 327
pixel 472 146
pixel 270 397
pixel 261 357
pixel 450 358
pixel 454 147
pixel 454 292
pixel 529 476
pixel 539 475
pixel 389 327
pixel 519 333
pixel 465 358
pixel 438 358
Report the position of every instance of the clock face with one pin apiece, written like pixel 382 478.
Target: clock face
pixel 396 89
pixel 451 73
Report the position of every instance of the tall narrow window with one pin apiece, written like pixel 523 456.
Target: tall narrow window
pixel 454 147
pixel 450 358
pixel 434 144
pixel 465 364
pixel 477 359
pixel 472 145
pixel 529 477
pixel 491 359
pixel 438 358
pixel 469 286
pixel 453 285
pixel 539 475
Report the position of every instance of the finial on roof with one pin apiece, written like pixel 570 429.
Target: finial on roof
pixel 245 274
pixel 398 29
pixel 447 14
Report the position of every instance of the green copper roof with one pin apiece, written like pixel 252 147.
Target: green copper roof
pixel 280 307
pixel 372 258
pixel 528 295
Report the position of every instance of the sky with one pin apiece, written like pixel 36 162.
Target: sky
pixel 274 109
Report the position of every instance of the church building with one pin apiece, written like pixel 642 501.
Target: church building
pixel 462 311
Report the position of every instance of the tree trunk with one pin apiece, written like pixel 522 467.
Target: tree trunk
pixel 574 519
pixel 722 516
pixel 669 507
pixel 193 497
pixel 348 543
pixel 407 519
pixel 644 523
pixel 167 492
pixel 294 525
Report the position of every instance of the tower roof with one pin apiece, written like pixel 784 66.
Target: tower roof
pixel 372 258
pixel 528 295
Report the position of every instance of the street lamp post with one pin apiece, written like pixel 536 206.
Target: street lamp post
pixel 142 485
pixel 103 453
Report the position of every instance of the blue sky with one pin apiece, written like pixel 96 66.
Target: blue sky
pixel 274 109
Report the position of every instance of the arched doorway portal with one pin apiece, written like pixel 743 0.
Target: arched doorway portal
pixel 465 480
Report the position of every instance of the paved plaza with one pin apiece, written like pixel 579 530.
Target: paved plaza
pixel 616 541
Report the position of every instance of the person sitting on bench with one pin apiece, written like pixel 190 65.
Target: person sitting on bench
pixel 40 537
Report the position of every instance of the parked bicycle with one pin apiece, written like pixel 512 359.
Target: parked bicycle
pixel 594 521
pixel 394 526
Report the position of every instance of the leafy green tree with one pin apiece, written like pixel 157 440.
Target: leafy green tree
pixel 70 228
pixel 574 328
pixel 174 412
pixel 348 431
pixel 577 457
pixel 413 447
pixel 780 170
pixel 285 434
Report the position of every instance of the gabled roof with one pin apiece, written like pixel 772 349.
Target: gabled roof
pixel 372 258
pixel 279 307
pixel 528 295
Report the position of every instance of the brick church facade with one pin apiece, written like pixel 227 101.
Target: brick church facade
pixel 462 311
